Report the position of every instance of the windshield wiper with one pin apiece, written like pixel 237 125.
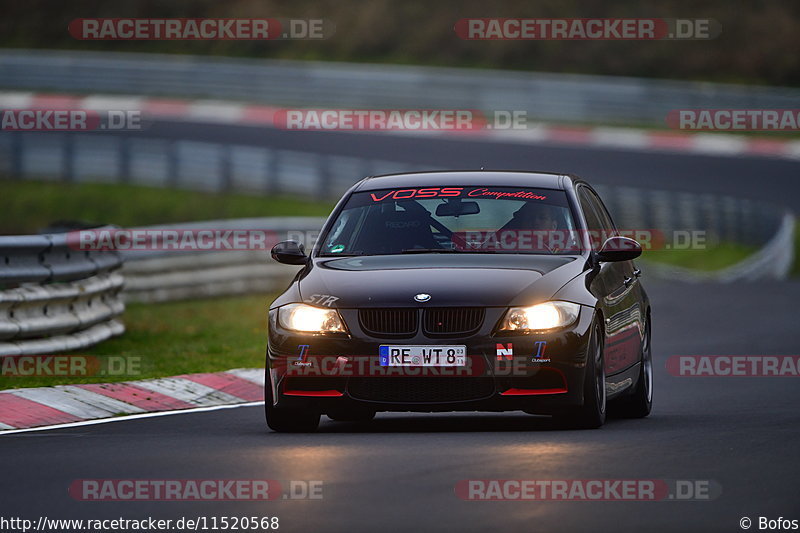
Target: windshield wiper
pixel 353 254
pixel 444 251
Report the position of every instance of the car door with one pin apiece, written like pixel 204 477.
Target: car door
pixel 621 297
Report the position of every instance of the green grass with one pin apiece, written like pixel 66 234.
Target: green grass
pixel 29 206
pixel 712 258
pixel 179 338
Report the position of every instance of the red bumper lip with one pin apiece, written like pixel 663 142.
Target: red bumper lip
pixel 532 392
pixel 509 392
pixel 314 393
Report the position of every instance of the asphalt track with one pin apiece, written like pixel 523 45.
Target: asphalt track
pixel 399 472
pixel 753 177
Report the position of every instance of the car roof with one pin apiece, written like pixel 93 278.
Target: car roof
pixel 498 178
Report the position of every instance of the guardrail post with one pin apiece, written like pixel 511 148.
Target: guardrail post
pixel 17 154
pixel 68 162
pixel 273 167
pixel 713 218
pixel 124 159
pixel 173 164
pixel 324 176
pixel 226 168
pixel 729 222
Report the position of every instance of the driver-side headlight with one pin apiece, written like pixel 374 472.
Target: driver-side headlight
pixel 541 317
pixel 309 319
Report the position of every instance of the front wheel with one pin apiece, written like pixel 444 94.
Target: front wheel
pixel 640 402
pixel 283 420
pixel 592 414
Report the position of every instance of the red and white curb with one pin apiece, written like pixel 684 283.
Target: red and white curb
pixel 67 404
pixel 223 112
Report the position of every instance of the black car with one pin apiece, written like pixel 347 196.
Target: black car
pixel 461 291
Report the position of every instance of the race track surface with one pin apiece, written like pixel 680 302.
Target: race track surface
pixel 752 177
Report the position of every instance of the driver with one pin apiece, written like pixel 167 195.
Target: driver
pixel 537 224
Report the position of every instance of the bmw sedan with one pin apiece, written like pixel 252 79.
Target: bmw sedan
pixel 461 291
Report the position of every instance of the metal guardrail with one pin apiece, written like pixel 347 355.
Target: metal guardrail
pixel 55 298
pixel 48 258
pixel 773 261
pixel 544 96
pixel 158 276
pixel 261 170
pixel 194 165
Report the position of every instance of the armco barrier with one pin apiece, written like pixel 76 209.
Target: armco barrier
pixel 544 96
pixel 55 298
pixel 157 276
pixel 260 170
pixel 772 261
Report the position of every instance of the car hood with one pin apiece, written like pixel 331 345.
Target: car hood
pixel 487 280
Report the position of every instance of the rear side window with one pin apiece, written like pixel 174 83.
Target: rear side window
pixel 598 221
pixel 602 212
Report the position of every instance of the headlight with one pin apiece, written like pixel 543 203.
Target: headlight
pixel 541 317
pixel 308 319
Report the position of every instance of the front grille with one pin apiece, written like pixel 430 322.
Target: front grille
pixel 452 321
pixel 391 322
pixel 420 389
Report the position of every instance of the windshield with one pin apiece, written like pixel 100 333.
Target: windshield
pixel 453 220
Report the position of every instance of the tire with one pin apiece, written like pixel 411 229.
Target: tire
pixel 283 420
pixel 639 403
pixel 592 414
pixel 351 416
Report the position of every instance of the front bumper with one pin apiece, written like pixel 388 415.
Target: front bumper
pixel 543 373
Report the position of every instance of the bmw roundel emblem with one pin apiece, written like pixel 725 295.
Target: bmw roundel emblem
pixel 422 297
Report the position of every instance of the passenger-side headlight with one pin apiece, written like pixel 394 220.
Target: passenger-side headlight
pixel 309 319
pixel 541 317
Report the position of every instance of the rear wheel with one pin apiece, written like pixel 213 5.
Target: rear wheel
pixel 640 402
pixel 592 414
pixel 285 420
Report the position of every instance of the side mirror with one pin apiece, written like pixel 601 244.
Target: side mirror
pixel 619 249
pixel 289 253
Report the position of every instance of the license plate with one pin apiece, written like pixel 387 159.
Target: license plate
pixel 416 355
